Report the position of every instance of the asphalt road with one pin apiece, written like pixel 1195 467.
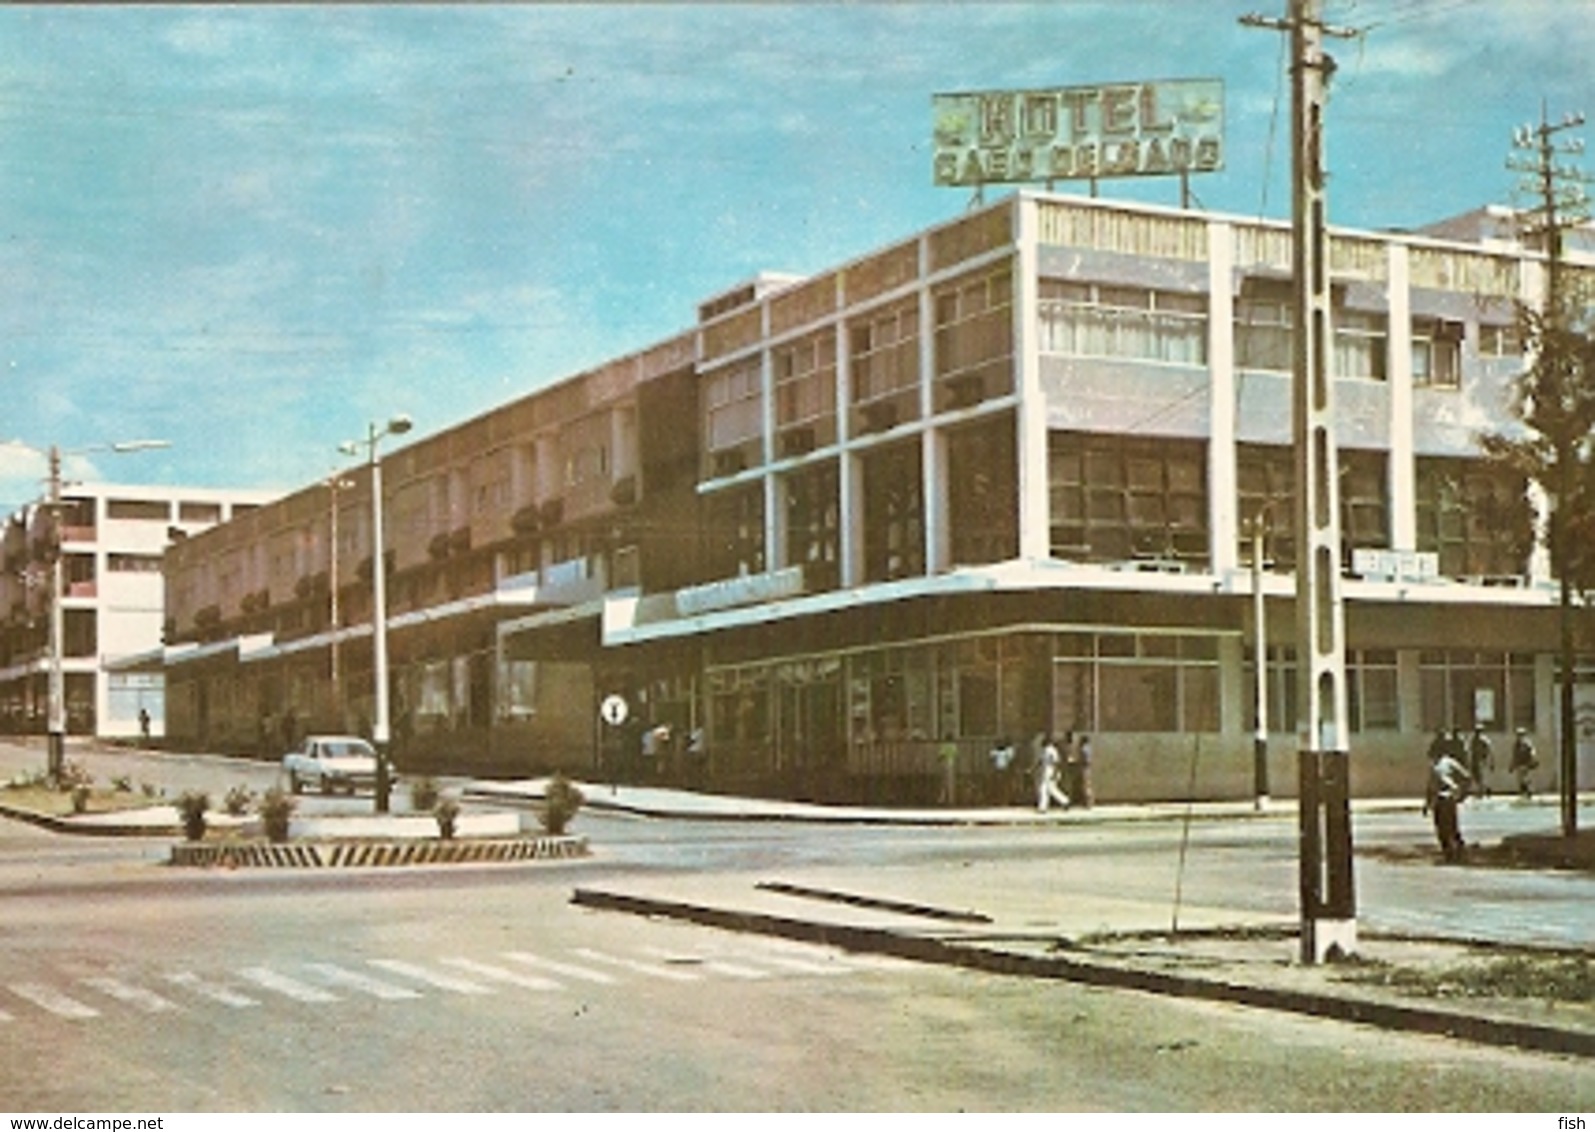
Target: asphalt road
pixel 128 986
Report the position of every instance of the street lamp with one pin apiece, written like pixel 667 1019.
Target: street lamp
pixel 1257 527
pixel 335 484
pixel 396 426
pixel 56 723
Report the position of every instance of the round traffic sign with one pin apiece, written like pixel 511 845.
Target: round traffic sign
pixel 614 709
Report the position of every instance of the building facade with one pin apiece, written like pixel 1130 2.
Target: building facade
pixel 111 538
pixel 1002 478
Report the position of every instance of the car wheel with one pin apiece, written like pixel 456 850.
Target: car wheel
pixel 294 785
pixel 326 787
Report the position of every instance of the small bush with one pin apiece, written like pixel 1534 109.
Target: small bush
pixel 424 794
pixel 80 799
pixel 276 808
pixel 237 801
pixel 149 789
pixel 73 775
pixel 561 800
pixel 192 804
pixel 122 784
pixel 447 812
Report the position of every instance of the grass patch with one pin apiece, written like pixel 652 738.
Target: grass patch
pixel 1553 978
pixel 58 803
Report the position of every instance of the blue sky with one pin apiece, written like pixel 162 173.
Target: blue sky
pixel 251 230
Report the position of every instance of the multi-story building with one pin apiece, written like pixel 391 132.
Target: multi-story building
pixel 1000 478
pixel 111 538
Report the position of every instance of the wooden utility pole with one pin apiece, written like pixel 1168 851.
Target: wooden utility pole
pixel 1562 205
pixel 1328 899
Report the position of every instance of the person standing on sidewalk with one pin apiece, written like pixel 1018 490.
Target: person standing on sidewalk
pixel 1481 760
pixel 1524 763
pixel 1080 792
pixel 1448 786
pixel 1047 763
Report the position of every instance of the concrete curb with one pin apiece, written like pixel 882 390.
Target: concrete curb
pixel 381 854
pixel 931 949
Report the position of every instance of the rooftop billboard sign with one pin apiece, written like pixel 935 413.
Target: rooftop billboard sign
pixel 1133 129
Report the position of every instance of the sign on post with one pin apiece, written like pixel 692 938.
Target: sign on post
pixel 614 710
pixel 1131 129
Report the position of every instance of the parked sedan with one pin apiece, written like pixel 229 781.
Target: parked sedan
pixel 332 762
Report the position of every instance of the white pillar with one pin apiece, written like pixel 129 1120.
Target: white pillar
pixel 1035 521
pixel 1222 488
pixel 1403 471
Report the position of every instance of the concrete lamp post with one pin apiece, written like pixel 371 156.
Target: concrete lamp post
pixel 56 723
pixel 396 426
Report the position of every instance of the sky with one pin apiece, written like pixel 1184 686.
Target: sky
pixel 253 231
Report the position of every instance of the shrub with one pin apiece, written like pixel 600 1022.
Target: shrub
pixel 80 799
pixel 122 784
pixel 561 800
pixel 447 811
pixel 276 808
pixel 237 801
pixel 424 794
pixel 192 804
pixel 73 775
pixel 148 789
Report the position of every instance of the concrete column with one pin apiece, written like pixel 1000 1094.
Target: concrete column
pixel 1222 488
pixel 1403 470
pixel 1035 521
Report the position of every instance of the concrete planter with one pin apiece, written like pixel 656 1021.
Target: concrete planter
pixel 375 853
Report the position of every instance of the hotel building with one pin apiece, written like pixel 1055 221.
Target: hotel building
pixel 1000 478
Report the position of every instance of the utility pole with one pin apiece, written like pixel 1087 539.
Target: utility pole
pixel 55 723
pixel 1562 205
pixel 1328 901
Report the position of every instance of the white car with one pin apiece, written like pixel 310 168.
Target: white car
pixel 332 762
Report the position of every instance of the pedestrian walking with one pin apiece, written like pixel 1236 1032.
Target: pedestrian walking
pixel 1523 763
pixel 144 725
pixel 1448 785
pixel 1080 791
pixel 1047 763
pixel 1001 792
pixel 1481 760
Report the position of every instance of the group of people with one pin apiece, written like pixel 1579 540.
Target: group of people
pixel 1459 767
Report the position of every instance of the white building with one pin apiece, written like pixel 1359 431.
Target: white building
pixel 112 537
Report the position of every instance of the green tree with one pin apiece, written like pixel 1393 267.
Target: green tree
pixel 1553 401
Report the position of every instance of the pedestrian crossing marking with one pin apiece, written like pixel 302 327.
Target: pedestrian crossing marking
pixel 333 982
pixel 53 1001
pixel 569 970
pixel 355 980
pixel 652 969
pixel 282 984
pixel 146 1000
pixel 709 963
pixel 501 974
pixel 213 991
pixel 432 978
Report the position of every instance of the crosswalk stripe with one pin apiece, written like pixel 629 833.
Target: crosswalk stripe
pixel 146 1000
pixel 340 976
pixel 213 991
pixel 432 978
pixel 653 970
pixel 569 970
pixel 282 984
pixel 710 963
pixel 787 960
pixel 501 974
pixel 53 1000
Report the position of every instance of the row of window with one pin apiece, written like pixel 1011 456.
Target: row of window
pixel 1124 681
pixel 1113 499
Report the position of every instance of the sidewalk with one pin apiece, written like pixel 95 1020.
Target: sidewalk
pixel 1003 916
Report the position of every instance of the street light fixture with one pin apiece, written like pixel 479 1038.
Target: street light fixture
pixel 396 426
pixel 56 725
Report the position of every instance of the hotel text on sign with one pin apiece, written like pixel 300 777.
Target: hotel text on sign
pixel 1079 133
